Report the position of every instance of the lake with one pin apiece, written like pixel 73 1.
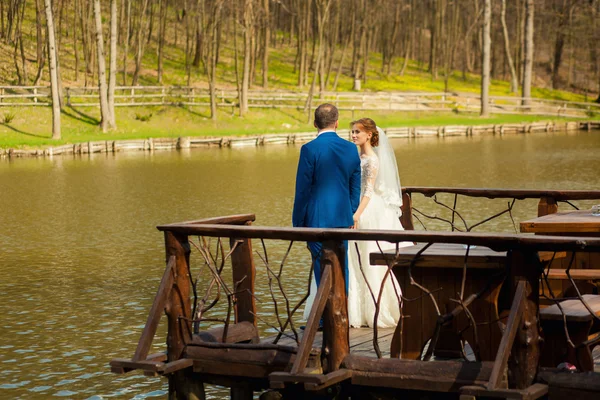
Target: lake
pixel 81 258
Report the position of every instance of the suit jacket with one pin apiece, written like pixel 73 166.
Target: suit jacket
pixel 327 183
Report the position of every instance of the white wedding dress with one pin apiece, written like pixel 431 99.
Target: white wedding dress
pixel 379 181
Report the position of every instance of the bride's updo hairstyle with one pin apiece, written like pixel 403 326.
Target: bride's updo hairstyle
pixel 369 126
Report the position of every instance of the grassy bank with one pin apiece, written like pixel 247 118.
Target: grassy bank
pixel 31 126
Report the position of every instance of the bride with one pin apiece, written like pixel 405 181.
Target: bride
pixel 379 209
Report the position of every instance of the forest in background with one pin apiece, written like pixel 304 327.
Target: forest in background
pixel 247 43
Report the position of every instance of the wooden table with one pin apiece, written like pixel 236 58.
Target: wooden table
pixel 570 223
pixel 440 270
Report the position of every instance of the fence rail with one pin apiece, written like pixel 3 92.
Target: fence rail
pixel 135 96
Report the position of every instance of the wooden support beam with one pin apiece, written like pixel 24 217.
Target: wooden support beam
pixel 525 353
pixel 547 205
pixel 243 274
pixel 336 330
pixel 312 324
pixel 156 311
pixel 508 338
pixel 178 304
pixel 406 217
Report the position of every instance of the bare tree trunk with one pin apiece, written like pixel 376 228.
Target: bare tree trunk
pixel 126 40
pixel 141 35
pixel 485 62
pixel 53 72
pixel 2 33
pixel 514 86
pixel 19 51
pixel 559 44
pixel 322 16
pixel 112 78
pixel 266 33
pixel 211 53
pixel 40 56
pixel 199 28
pixel 238 83
pixel 248 32
pixel 341 64
pixel 161 38
pixel 528 61
pixel 75 42
pixel 103 90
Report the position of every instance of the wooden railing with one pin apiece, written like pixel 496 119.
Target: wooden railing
pixel 232 352
pixel 128 96
pixel 548 200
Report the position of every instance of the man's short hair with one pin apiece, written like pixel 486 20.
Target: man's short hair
pixel 326 115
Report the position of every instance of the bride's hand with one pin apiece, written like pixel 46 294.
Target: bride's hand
pixel 355 217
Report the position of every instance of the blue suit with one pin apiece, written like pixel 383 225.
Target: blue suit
pixel 327 190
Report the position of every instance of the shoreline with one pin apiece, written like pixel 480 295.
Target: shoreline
pixel 187 142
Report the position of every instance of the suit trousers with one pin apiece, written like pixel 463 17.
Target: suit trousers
pixel 315 251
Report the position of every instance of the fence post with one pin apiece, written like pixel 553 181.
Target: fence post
pixel 132 94
pixel 35 100
pixel 68 90
pixel 1 95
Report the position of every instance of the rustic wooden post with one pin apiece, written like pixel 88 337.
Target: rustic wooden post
pixel 182 384
pixel 525 270
pixel 244 274
pixel 406 217
pixel 547 205
pixel 336 332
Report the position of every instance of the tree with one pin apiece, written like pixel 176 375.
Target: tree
pixel 322 16
pixel 112 77
pixel 485 62
pixel 102 89
pixel 511 65
pixel 528 59
pixel 248 32
pixel 211 54
pixel 53 71
pixel 266 33
pixel 141 41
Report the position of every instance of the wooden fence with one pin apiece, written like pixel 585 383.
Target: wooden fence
pixel 135 96
pixel 187 142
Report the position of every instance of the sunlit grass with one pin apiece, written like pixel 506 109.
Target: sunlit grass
pixel 31 127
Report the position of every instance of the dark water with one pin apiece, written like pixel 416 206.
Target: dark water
pixel 81 259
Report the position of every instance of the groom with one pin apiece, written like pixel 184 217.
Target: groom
pixel 327 184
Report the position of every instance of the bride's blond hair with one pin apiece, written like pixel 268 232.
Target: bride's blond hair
pixel 370 127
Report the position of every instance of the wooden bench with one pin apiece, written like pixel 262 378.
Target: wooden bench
pixel 580 324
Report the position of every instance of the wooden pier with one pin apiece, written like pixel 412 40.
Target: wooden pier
pixel 216 334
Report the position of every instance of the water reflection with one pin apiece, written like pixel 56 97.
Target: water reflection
pixel 81 258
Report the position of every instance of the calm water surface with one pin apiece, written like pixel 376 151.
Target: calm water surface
pixel 81 259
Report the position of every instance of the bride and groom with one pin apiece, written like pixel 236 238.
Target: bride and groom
pixel 338 188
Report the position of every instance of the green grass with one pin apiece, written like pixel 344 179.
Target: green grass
pixel 31 126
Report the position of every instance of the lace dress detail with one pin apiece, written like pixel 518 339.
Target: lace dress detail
pixel 370 167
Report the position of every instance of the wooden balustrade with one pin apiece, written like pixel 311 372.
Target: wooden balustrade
pixel 228 354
